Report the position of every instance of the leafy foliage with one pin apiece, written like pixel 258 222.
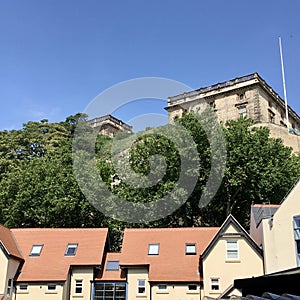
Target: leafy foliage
pixel 38 187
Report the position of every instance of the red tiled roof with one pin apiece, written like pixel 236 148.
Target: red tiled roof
pixel 9 242
pixel 172 264
pixel 52 264
pixel 112 275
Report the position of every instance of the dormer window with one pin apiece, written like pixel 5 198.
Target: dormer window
pixel 36 250
pixel 112 265
pixel 153 249
pixel 190 249
pixel 71 249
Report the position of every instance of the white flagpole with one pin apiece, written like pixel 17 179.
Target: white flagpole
pixel 284 87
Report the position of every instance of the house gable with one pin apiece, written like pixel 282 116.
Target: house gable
pixel 231 254
pixel 231 228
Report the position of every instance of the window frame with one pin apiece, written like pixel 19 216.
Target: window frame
pixel 51 289
pixel 151 252
pixel 211 284
pixel 78 285
pixel 36 253
pixel 71 246
pixel 23 287
pixel 296 225
pixel 228 257
pixel 243 111
pixel 141 286
pixel 159 287
pixel 188 252
pixel 114 267
pixel 191 287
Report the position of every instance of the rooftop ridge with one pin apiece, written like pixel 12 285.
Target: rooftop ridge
pixel 58 229
pixel 172 228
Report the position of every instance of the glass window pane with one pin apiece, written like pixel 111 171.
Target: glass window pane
pixel 153 249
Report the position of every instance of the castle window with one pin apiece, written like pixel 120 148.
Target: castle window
pixel 271 117
pixel 241 96
pixel 243 112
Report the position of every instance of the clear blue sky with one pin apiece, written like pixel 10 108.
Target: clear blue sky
pixel 57 55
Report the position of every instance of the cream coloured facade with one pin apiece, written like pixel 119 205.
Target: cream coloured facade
pixel 166 291
pixel 9 268
pixel 80 283
pixel 138 283
pixel 36 291
pixel 231 255
pixel 249 96
pixel 279 234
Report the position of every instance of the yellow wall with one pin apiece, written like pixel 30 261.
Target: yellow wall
pixel 278 235
pixel 133 276
pixel 8 271
pixel 175 291
pixel 38 292
pixel 85 274
pixel 215 265
pixel 3 272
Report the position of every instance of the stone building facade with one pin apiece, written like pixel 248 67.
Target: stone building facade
pixel 109 125
pixel 249 96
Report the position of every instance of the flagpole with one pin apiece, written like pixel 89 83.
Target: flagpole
pixel 284 87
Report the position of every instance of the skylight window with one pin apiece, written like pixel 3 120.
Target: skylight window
pixel 112 265
pixel 153 249
pixel 190 249
pixel 71 249
pixel 36 250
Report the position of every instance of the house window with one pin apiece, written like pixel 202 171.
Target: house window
pixel 112 291
pixel 51 287
pixel 9 287
pixel 71 249
pixel 297 238
pixel 215 284
pixel 190 249
pixel 232 252
pixel 243 112
pixel 162 287
pixel 23 287
pixel 192 287
pixel 36 250
pixel 78 286
pixel 141 286
pixel 112 265
pixel 153 249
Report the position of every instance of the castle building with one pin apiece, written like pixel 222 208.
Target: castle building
pixel 109 125
pixel 247 96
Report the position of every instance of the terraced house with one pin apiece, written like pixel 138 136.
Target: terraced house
pixel 157 263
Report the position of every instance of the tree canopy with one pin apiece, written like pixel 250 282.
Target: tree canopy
pixel 38 187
